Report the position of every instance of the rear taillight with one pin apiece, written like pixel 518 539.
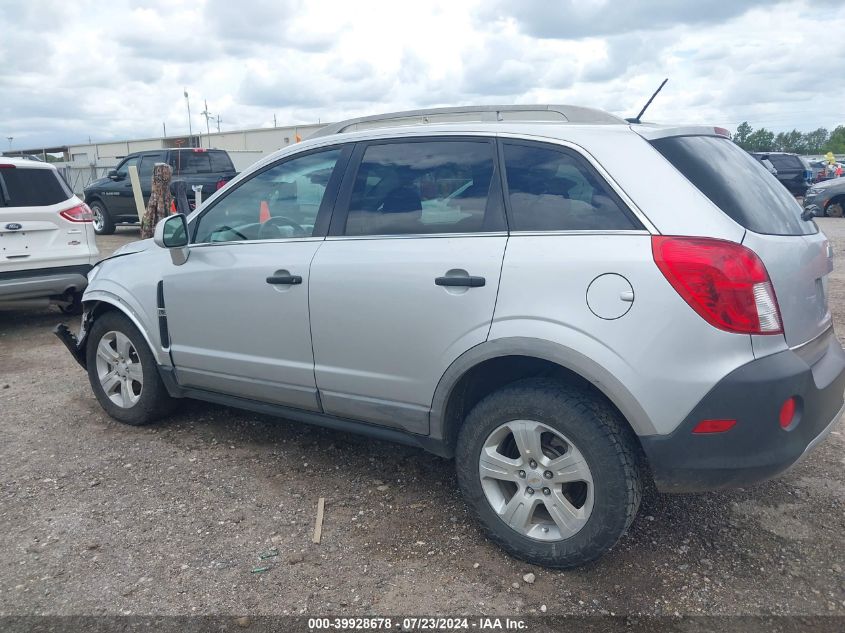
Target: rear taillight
pixel 221 183
pixel 79 213
pixel 6 166
pixel 725 282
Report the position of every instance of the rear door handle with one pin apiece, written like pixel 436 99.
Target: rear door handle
pixel 287 280
pixel 470 282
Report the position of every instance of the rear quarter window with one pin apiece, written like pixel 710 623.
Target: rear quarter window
pixel 737 183
pixel 21 187
pixel 206 162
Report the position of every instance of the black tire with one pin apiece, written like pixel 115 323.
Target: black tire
pixel 154 402
pixel 603 438
pixel 103 224
pixel 836 208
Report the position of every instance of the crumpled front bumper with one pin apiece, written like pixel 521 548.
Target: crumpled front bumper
pixel 76 344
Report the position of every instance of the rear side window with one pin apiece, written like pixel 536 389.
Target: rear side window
pixel 555 190
pixel 21 187
pixel 736 183
pixel 205 162
pixel 424 187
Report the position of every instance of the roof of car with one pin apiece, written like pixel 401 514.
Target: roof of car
pixel 25 162
pixel 542 113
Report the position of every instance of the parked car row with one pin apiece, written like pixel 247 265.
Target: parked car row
pixel 111 198
pixel 793 171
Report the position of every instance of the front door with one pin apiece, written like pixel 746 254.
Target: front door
pixel 407 281
pixel 238 308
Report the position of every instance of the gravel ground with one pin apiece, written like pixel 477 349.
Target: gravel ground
pixel 100 518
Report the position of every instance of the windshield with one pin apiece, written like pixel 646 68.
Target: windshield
pixel 737 183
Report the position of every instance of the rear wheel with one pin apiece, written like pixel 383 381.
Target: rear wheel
pixel 103 224
pixel 123 373
pixel 836 209
pixel 550 472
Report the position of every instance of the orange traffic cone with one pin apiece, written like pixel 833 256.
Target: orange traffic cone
pixel 264 213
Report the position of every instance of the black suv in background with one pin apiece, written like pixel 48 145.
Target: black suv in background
pixel 111 199
pixel 793 171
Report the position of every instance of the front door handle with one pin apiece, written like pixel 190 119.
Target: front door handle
pixel 470 281
pixel 287 280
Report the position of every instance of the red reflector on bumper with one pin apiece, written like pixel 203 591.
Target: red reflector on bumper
pixel 787 413
pixel 714 426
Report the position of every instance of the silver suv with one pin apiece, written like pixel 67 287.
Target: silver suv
pixel 563 302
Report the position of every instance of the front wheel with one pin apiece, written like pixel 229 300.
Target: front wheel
pixel 123 373
pixel 549 471
pixel 102 221
pixel 835 209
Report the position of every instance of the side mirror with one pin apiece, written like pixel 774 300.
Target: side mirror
pixel 172 233
pixel 113 175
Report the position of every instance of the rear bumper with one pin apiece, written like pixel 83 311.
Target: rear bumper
pixel 47 282
pixel 757 448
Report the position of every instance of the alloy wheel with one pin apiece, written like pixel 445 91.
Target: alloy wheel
pixel 536 480
pixel 119 369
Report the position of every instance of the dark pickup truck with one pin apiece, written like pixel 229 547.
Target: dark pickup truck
pixel 112 201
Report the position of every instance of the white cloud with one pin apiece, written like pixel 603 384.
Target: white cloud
pixel 115 70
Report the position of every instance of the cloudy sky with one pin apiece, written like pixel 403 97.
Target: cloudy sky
pixel 113 70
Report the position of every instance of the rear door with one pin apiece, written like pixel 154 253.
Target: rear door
pixel 795 252
pixel 32 233
pixel 407 280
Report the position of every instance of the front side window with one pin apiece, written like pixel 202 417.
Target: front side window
pixel 550 189
pixel 277 203
pixel 424 187
pixel 123 168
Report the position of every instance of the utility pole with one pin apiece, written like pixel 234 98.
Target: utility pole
pixel 190 129
pixel 10 138
pixel 164 129
pixel 207 116
pixel 274 119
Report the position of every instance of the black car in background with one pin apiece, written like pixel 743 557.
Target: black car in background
pixel 793 171
pixel 112 201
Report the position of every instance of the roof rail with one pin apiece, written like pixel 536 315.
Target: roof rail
pixel 472 114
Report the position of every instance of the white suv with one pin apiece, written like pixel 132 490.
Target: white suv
pixel 46 238
pixel 560 300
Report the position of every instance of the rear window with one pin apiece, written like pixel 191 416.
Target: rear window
pixel 21 187
pixel 208 162
pixel 736 183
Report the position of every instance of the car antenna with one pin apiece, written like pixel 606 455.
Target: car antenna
pixel 637 118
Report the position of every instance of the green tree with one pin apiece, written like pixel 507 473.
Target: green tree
pixel 816 140
pixel 743 132
pixel 761 140
pixel 836 142
pixel 791 142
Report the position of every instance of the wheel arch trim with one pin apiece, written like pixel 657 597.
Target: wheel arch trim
pixel 561 355
pixel 105 297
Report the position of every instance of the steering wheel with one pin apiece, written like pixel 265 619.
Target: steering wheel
pixel 275 222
